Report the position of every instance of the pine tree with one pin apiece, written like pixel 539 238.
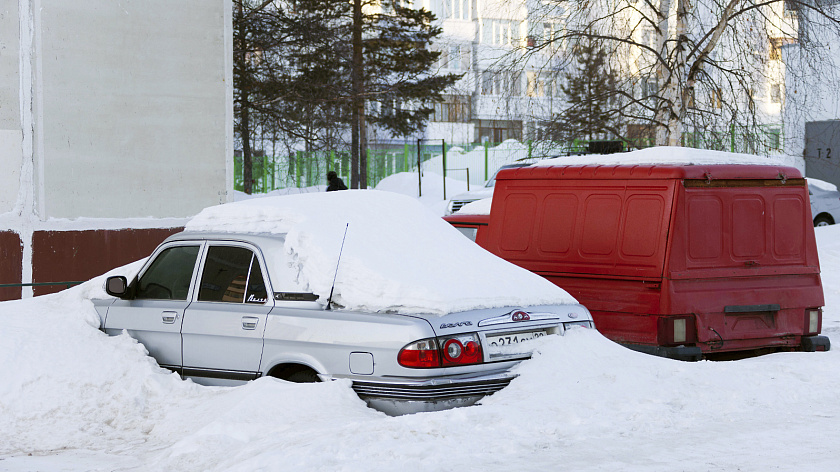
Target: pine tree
pixel 305 85
pixel 589 90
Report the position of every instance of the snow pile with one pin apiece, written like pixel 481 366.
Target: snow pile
pixel 407 183
pixel 239 195
pixel 103 404
pixel 478 207
pixel 663 155
pixel 507 152
pixel 828 245
pixel 77 400
pixel 397 255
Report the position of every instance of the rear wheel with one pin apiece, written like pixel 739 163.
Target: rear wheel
pixel 295 373
pixel 823 220
pixel 304 376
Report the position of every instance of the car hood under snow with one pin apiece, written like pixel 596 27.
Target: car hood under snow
pixel 398 256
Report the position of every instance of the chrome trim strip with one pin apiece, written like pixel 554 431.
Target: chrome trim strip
pixel 506 318
pixel 430 392
pixel 218 374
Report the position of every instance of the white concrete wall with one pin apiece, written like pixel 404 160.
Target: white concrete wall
pixel 132 107
pixel 11 136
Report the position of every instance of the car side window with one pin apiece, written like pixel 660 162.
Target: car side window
pixel 169 275
pixel 231 274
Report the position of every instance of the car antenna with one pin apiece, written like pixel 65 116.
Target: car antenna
pixel 329 300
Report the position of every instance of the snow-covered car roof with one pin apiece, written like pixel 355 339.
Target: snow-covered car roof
pixel 821 185
pixel 670 155
pixel 397 255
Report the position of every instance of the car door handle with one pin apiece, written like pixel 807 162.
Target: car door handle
pixel 250 322
pixel 169 316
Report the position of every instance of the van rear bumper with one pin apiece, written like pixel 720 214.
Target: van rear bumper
pixel 693 353
pixel 815 343
pixel 680 353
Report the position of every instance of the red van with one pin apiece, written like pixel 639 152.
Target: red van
pixel 681 261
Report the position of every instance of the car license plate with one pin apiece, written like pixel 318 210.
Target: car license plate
pixel 511 343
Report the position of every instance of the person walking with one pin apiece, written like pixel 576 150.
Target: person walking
pixel 335 182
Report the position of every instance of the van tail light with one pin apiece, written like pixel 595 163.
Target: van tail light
pixel 813 320
pixel 676 330
pixel 445 351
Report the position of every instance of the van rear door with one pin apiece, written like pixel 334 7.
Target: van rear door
pixel 744 262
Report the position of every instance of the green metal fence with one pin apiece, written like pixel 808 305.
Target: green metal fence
pixel 308 169
pixel 474 162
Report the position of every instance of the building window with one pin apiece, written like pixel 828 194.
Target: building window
pixel 487 82
pixel 776 49
pixel 775 93
pixel 548 31
pixel 496 131
pixel 649 37
pixel 540 85
pixel 774 139
pixel 453 109
pixel 717 99
pixel 650 88
pixel 501 83
pixel 456 9
pixel 500 32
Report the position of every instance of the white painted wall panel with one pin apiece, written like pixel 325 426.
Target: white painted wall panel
pixel 10 164
pixel 10 130
pixel 132 107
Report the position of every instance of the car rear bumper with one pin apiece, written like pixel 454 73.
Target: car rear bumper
pixel 405 397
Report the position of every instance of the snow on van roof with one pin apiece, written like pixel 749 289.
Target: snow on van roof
pixel 671 155
pixel 398 255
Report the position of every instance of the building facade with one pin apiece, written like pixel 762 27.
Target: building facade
pixel 113 115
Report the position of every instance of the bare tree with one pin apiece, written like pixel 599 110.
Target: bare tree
pixel 714 67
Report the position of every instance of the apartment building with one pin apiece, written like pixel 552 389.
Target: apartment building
pixel 511 82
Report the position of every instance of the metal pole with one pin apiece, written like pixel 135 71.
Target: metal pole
pixel 444 168
pixel 419 177
pixel 486 160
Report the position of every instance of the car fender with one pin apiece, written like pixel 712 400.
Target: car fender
pixel 280 358
pixel 101 306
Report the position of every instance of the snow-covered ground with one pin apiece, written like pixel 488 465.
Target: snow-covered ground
pixel 74 399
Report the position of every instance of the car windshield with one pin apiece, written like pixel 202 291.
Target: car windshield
pixel 492 182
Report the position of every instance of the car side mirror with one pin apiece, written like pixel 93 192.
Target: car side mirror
pixel 116 286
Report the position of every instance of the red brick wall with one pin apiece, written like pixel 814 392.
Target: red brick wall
pixel 61 256
pixel 11 264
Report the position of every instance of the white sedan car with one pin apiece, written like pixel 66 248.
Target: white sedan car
pixel 364 286
pixel 825 202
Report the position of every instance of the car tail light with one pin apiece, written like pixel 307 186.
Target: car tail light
pixel 676 330
pixel 461 350
pixel 813 320
pixel 445 351
pixel 420 354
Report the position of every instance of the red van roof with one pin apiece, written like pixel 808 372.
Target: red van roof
pixel 717 171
